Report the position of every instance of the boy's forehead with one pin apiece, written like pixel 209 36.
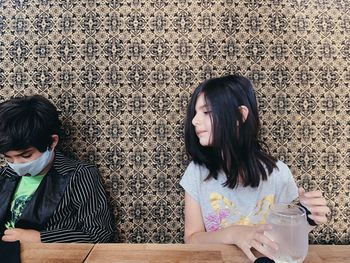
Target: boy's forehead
pixel 20 151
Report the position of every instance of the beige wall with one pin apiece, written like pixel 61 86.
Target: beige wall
pixel 121 73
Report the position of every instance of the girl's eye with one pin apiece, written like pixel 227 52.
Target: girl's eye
pixel 207 112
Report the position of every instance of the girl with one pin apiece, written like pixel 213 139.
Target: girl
pixel 232 181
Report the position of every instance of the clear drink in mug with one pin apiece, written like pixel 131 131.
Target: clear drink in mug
pixel 289 231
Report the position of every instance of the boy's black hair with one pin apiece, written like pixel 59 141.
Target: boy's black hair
pixel 235 149
pixel 28 121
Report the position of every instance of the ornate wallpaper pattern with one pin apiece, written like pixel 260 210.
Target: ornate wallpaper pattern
pixel 121 73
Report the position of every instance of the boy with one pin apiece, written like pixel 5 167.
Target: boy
pixel 44 196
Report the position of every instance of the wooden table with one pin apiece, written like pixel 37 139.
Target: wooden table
pixel 55 252
pixel 180 253
pixel 155 253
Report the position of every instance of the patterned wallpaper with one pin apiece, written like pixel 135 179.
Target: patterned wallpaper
pixel 121 73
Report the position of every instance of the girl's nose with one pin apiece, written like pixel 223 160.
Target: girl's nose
pixel 195 120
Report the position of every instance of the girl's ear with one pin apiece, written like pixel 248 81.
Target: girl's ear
pixel 55 140
pixel 244 111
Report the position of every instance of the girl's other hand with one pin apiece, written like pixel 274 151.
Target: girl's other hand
pixel 316 204
pixel 247 237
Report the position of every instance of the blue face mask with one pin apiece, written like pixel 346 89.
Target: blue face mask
pixel 34 167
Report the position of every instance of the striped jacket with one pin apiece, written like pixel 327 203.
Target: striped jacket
pixel 70 204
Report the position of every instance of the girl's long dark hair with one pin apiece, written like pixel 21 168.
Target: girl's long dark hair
pixel 235 148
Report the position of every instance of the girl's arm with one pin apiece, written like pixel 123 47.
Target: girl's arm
pixel 245 237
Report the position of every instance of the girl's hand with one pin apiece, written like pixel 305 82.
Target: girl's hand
pixel 247 237
pixel 316 204
pixel 23 235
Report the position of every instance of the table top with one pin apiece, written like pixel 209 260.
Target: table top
pixel 154 253
pixel 54 252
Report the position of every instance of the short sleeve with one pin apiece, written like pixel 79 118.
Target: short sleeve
pixel 287 190
pixel 190 181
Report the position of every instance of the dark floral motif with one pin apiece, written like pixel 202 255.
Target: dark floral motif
pixel 280 76
pixel 114 49
pixel 136 76
pixel 162 235
pixel 303 50
pixel 306 131
pixel 306 158
pixel 43 24
pixel 138 130
pixel 301 24
pixel 114 22
pixel 159 23
pixel 331 131
pixel 138 157
pixel 136 49
pixel 43 77
pixel 231 49
pixel 138 184
pixel 91 130
pixel 66 50
pixel 21 5
pixel 254 23
pixel 278 24
pixel 90 49
pixel 230 22
pixel 161 157
pixel 115 104
pixel 135 23
pixel 90 76
pixel 19 78
pixel 328 76
pixel 159 49
pixel 113 76
pixel 67 104
pixel 3 24
pixel 114 129
pixel 160 75
pixel 255 49
pixel 161 211
pixel 90 23
pixel 207 49
pixel 115 158
pixel 184 75
pixel 91 103
pixel 160 103
pixel 324 24
pixel 19 51
pixel 183 49
pixel 306 104
pixel 43 50
pixel 66 23
pixel 282 131
pixel 66 77
pixel 183 22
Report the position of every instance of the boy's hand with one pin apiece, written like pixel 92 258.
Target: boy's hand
pixel 23 235
pixel 316 204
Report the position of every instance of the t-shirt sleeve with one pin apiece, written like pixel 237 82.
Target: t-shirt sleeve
pixel 191 180
pixel 287 190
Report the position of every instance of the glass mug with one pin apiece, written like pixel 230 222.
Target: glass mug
pixel 289 231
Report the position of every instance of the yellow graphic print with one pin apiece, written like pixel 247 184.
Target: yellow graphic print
pixel 227 213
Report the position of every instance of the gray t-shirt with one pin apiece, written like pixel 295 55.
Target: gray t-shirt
pixel 222 206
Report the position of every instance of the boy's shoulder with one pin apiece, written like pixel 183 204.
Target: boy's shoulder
pixel 66 164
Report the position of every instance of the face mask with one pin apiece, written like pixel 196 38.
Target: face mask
pixel 34 167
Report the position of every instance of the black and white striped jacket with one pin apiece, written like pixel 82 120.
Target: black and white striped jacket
pixel 70 204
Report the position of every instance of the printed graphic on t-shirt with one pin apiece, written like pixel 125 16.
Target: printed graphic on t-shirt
pixel 226 212
pixel 17 208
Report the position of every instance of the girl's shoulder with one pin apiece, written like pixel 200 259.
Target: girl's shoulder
pixel 282 172
pixel 197 169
